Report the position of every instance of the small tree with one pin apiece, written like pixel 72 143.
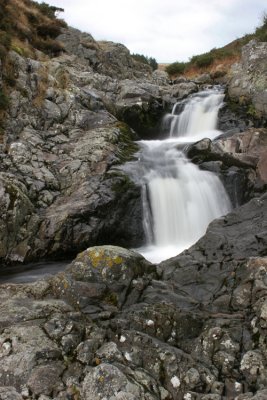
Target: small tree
pixel 153 63
pixel 145 60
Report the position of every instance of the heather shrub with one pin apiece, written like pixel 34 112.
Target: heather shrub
pixel 176 68
pixel 146 60
pixel 202 60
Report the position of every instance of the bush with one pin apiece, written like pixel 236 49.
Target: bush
pixel 202 60
pixel 51 30
pixel 5 39
pixel 146 60
pixel 153 63
pixel 3 52
pixel 48 46
pixel 222 53
pixel 176 68
pixel 261 31
pixel 140 58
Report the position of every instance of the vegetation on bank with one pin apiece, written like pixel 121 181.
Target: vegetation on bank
pixel 26 25
pixel 205 61
pixel 146 60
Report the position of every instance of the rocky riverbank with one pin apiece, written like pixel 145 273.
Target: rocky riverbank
pixel 115 326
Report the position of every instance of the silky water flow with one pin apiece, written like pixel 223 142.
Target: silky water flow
pixel 179 199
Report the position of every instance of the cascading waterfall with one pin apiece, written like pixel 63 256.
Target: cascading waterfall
pixel 179 199
pixel 198 115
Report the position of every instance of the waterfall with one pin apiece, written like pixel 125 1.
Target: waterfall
pixel 179 199
pixel 195 116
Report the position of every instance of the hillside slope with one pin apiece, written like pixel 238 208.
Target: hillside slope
pixel 217 61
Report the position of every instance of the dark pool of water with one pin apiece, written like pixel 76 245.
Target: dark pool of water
pixel 31 272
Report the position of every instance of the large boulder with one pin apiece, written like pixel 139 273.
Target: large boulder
pixel 101 275
pixel 139 103
pixel 248 82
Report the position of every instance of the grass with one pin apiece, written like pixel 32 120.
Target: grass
pixel 36 25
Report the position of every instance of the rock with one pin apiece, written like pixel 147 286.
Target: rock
pixel 218 74
pixel 139 104
pixel 248 81
pixel 107 58
pixel 29 346
pixel 242 161
pixel 116 61
pixel 183 89
pixel 118 387
pixel 253 367
pixel 204 79
pixel 160 78
pixel 17 216
pixel 45 379
pixel 50 159
pixel 9 393
pixel 233 118
pixel 102 273
pixel 193 326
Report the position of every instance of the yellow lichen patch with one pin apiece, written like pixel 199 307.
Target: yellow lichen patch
pixel 96 257
pixel 100 258
pixel 118 260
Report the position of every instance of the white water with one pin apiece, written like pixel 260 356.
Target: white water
pixel 195 118
pixel 179 199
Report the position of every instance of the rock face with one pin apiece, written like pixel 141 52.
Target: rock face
pixel 57 190
pixel 240 159
pixel 61 139
pixel 115 326
pixel 248 83
pixel 106 58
